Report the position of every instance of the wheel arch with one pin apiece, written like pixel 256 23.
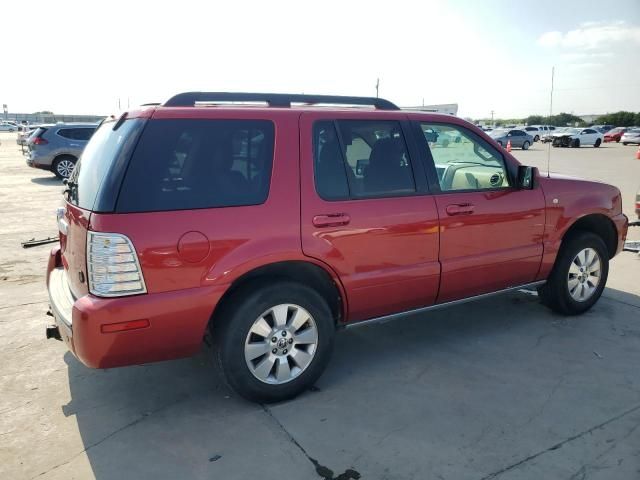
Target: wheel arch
pixel 304 272
pixel 599 224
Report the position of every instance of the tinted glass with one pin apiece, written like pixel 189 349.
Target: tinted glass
pixel 97 159
pixel 187 164
pixel 468 163
pixel 65 132
pixel 83 133
pixel 363 159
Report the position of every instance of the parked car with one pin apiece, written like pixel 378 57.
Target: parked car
pixel 25 133
pixel 58 147
pixel 261 229
pixel 614 134
pixel 576 137
pixel 602 128
pixel 8 127
pixel 533 131
pixel 548 135
pixel 631 136
pixel 518 138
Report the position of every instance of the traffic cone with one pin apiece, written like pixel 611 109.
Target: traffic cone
pixel 509 146
pixel 638 154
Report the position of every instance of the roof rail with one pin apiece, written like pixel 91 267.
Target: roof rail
pixel 189 99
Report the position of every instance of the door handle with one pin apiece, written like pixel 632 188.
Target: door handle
pixel 460 209
pixel 331 220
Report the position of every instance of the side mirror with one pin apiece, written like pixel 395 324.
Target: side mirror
pixel 526 177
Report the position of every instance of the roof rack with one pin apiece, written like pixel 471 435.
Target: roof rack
pixel 189 99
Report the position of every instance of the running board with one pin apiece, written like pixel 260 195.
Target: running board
pixel 395 316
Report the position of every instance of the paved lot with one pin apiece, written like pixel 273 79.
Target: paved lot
pixel 501 388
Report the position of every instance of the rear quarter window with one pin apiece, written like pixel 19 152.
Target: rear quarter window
pixel 194 163
pixel 106 152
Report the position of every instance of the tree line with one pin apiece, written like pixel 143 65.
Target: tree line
pixel 618 119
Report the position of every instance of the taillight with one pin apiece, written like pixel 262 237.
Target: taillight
pixel 113 266
pixel 40 141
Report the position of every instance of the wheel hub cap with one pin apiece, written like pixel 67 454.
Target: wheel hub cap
pixel 281 344
pixel 584 275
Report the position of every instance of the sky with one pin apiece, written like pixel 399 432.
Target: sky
pixel 80 57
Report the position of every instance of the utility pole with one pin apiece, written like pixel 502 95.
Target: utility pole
pixel 377 86
pixel 492 118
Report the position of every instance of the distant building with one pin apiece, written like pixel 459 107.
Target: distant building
pixel 34 118
pixel 448 108
pixel 590 118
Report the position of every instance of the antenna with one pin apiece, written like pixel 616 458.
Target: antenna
pixel 550 113
pixel 377 86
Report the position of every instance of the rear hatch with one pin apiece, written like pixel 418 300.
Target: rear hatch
pixel 93 187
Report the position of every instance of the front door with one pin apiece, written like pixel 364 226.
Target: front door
pixel 490 232
pixel 366 212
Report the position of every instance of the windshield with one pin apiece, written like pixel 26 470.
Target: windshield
pixel 98 158
pixel 498 133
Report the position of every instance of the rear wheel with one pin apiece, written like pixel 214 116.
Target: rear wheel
pixel 597 144
pixel 273 340
pixel 536 138
pixel 578 276
pixel 525 145
pixel 63 166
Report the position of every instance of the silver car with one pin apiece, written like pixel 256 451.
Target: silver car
pixel 518 138
pixel 631 136
pixel 58 147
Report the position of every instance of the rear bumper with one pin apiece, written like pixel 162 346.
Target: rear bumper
pixel 35 162
pixel 177 322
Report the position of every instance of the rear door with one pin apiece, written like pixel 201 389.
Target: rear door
pixel 490 232
pixel 366 211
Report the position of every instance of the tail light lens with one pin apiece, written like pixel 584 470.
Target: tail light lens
pixel 113 266
pixel 40 141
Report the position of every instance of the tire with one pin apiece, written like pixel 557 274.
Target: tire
pixel 625 143
pixel 536 138
pixel 253 371
pixel 597 144
pixel 63 166
pixel 563 288
pixel 576 143
pixel 525 145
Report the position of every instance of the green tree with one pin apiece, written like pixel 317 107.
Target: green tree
pixel 619 119
pixel 535 120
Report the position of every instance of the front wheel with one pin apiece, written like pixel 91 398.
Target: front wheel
pixel 576 143
pixel 578 276
pixel 597 144
pixel 536 138
pixel 273 340
pixel 525 146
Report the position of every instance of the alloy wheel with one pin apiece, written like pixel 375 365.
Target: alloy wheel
pixel 584 275
pixel 281 344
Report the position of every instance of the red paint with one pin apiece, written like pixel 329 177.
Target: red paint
pixel 384 255
pixel 124 326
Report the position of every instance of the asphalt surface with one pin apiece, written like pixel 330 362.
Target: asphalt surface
pixel 501 388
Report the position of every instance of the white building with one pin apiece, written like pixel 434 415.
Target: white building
pixel 448 108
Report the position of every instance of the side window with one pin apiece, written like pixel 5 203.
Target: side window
pixel 66 133
pixel 361 159
pixel 83 133
pixel 186 164
pixel 467 163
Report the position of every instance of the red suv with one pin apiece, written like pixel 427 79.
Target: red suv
pixel 268 221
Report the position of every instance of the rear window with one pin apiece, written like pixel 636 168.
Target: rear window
pixel 106 149
pixel 188 164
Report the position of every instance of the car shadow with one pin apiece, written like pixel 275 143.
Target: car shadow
pixel 47 181
pixel 133 420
